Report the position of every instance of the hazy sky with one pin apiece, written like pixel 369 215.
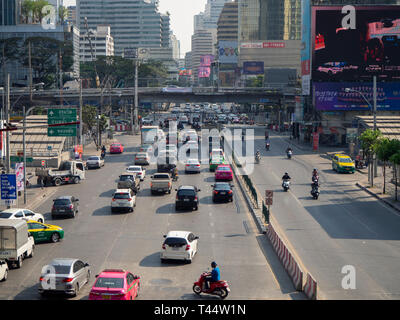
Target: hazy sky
pixel 182 12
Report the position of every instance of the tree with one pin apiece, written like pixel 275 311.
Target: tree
pixel 62 14
pixel 38 6
pixel 395 159
pixel 384 150
pixel 10 50
pixel 89 114
pixel 369 141
pixel 27 10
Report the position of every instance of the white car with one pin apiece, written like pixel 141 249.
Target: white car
pixel 197 109
pixel 94 162
pixel 123 199
pixel 192 165
pixel 184 119
pixel 140 172
pixel 179 245
pixel 3 270
pixel 24 214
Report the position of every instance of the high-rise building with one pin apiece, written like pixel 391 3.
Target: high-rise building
pixel 165 30
pixel 188 60
pixel 175 45
pixel 71 18
pixel 228 22
pixel 198 21
pixel 134 23
pixel 212 11
pixel 8 12
pixel 102 43
pixel 202 44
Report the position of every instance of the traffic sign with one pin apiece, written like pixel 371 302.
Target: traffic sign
pixel 61 115
pixel 8 184
pixel 130 53
pixel 269 194
pixel 20 159
pixel 62 131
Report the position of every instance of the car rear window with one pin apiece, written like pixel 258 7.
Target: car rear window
pixel 186 193
pixel 62 202
pixel 133 169
pixel 109 283
pixel 222 186
pixel 121 195
pixel 126 177
pixel 161 176
pixel 175 242
pixel 115 145
pixel 5 215
pixel 224 169
pixel 93 158
pixel 61 269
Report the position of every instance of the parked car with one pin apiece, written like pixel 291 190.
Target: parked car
pixel 94 162
pixel 3 270
pixel 64 275
pixel 186 197
pixel 223 172
pixel 179 245
pixel 192 165
pixel 123 199
pixel 343 163
pixel 142 158
pixel 115 284
pixel 24 214
pixel 138 170
pixel 65 206
pixel 45 232
pixel 116 148
pixel 222 191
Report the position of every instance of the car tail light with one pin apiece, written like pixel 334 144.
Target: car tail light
pixel 113 199
pixel 130 199
pixel 187 247
pixel 163 246
pixel 187 165
pixel 195 198
pixel 230 192
pixel 71 206
pixel 169 184
pixel 197 165
pixel 68 279
pixel 41 279
pixel 215 192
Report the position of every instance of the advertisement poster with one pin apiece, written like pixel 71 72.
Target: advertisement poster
pixel 330 96
pixel 253 67
pixel 204 72
pixel 305 46
pixel 19 173
pixel 355 48
pixel 228 52
pixel 315 141
pixel 206 60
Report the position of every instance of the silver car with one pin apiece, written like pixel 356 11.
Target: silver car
pixel 64 275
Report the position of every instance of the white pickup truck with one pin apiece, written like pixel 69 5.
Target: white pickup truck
pixel 69 172
pixel 16 243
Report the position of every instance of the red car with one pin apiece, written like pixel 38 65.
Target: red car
pixel 116 148
pixel 115 284
pixel 223 172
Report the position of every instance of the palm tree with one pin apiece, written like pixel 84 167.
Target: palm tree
pixel 27 10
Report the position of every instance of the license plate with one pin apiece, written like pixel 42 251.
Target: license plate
pixel 175 248
pixel 61 210
pixel 185 199
pixel 223 193
pixel 106 297
pixel 160 190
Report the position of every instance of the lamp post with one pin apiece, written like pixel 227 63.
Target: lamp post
pixel 373 109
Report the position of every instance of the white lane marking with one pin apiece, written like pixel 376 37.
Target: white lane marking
pixel 212 235
pixel 212 224
pixel 210 214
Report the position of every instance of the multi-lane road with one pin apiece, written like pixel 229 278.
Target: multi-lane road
pixel 132 241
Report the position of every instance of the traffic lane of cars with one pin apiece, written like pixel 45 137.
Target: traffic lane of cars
pixel 344 219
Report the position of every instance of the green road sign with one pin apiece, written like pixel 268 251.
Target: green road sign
pixel 62 115
pixel 20 159
pixel 63 131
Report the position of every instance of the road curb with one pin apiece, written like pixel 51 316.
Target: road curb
pixel 378 197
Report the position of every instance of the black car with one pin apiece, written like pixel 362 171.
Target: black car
pixel 222 191
pixel 186 197
pixel 65 206
pixel 165 164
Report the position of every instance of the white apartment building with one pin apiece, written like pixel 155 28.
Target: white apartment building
pixel 102 43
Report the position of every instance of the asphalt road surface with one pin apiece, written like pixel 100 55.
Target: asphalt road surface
pixel 132 241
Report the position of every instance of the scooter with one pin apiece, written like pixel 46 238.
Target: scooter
pixel 289 154
pixel 286 185
pixel 267 146
pixel 257 158
pixel 218 288
pixel 315 190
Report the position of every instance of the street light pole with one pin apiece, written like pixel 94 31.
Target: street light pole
pixel 7 123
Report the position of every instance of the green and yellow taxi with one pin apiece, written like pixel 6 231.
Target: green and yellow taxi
pixel 45 232
pixel 343 163
pixel 216 161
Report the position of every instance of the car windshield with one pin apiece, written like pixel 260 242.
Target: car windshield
pixel 121 196
pixel 345 160
pixel 109 283
pixel 5 215
pixel 186 193
pixel 93 158
pixel 115 145
pixel 172 241
pixel 62 202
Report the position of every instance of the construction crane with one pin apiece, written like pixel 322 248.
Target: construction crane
pixel 92 54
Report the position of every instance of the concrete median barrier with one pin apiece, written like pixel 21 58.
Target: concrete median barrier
pixel 310 288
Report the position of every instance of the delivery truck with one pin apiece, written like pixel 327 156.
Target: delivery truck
pixel 16 243
pixel 68 172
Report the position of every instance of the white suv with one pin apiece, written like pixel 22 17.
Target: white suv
pixel 3 270
pixel 123 199
pixel 179 245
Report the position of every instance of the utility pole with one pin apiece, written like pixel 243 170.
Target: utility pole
pixel 375 173
pixel 61 82
pixel 24 151
pixel 30 72
pixel 7 123
pixel 80 113
pixel 136 95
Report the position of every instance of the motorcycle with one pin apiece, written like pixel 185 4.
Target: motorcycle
pixel 257 158
pixel 103 154
pixel 315 190
pixel 267 146
pixel 286 185
pixel 218 288
pixel 289 154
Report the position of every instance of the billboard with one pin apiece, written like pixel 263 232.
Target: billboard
pixel 357 44
pixel 204 72
pixel 306 46
pixel 206 60
pixel 332 96
pixel 253 67
pixel 262 44
pixel 228 52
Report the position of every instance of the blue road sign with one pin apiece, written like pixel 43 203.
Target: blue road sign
pixel 8 187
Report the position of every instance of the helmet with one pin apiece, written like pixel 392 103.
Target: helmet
pixel 286 173
pixel 213 264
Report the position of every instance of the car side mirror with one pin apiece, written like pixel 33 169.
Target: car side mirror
pixel 96 275
pixel 87 264
pixel 164 235
pixel 176 189
pixel 76 199
pixel 195 238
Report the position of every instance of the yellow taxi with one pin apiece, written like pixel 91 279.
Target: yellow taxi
pixel 343 163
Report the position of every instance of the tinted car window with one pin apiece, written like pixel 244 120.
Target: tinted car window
pixel 35 226
pixel 186 193
pixel 126 177
pixel 161 176
pixel 5 215
pixel 224 186
pixel 121 196
pixel 62 269
pixel 28 213
pixel 109 283
pixel 62 202
pixel 78 266
pixel 224 169
pixel 93 158
pixel 175 242
pixel 19 214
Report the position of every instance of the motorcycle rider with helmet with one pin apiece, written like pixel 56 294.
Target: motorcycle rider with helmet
pixel 215 275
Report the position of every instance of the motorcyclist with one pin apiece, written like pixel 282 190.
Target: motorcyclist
pixel 267 143
pixel 258 156
pixel 289 149
pixel 215 275
pixel 174 172
pixel 315 176
pixel 103 148
pixel 286 177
